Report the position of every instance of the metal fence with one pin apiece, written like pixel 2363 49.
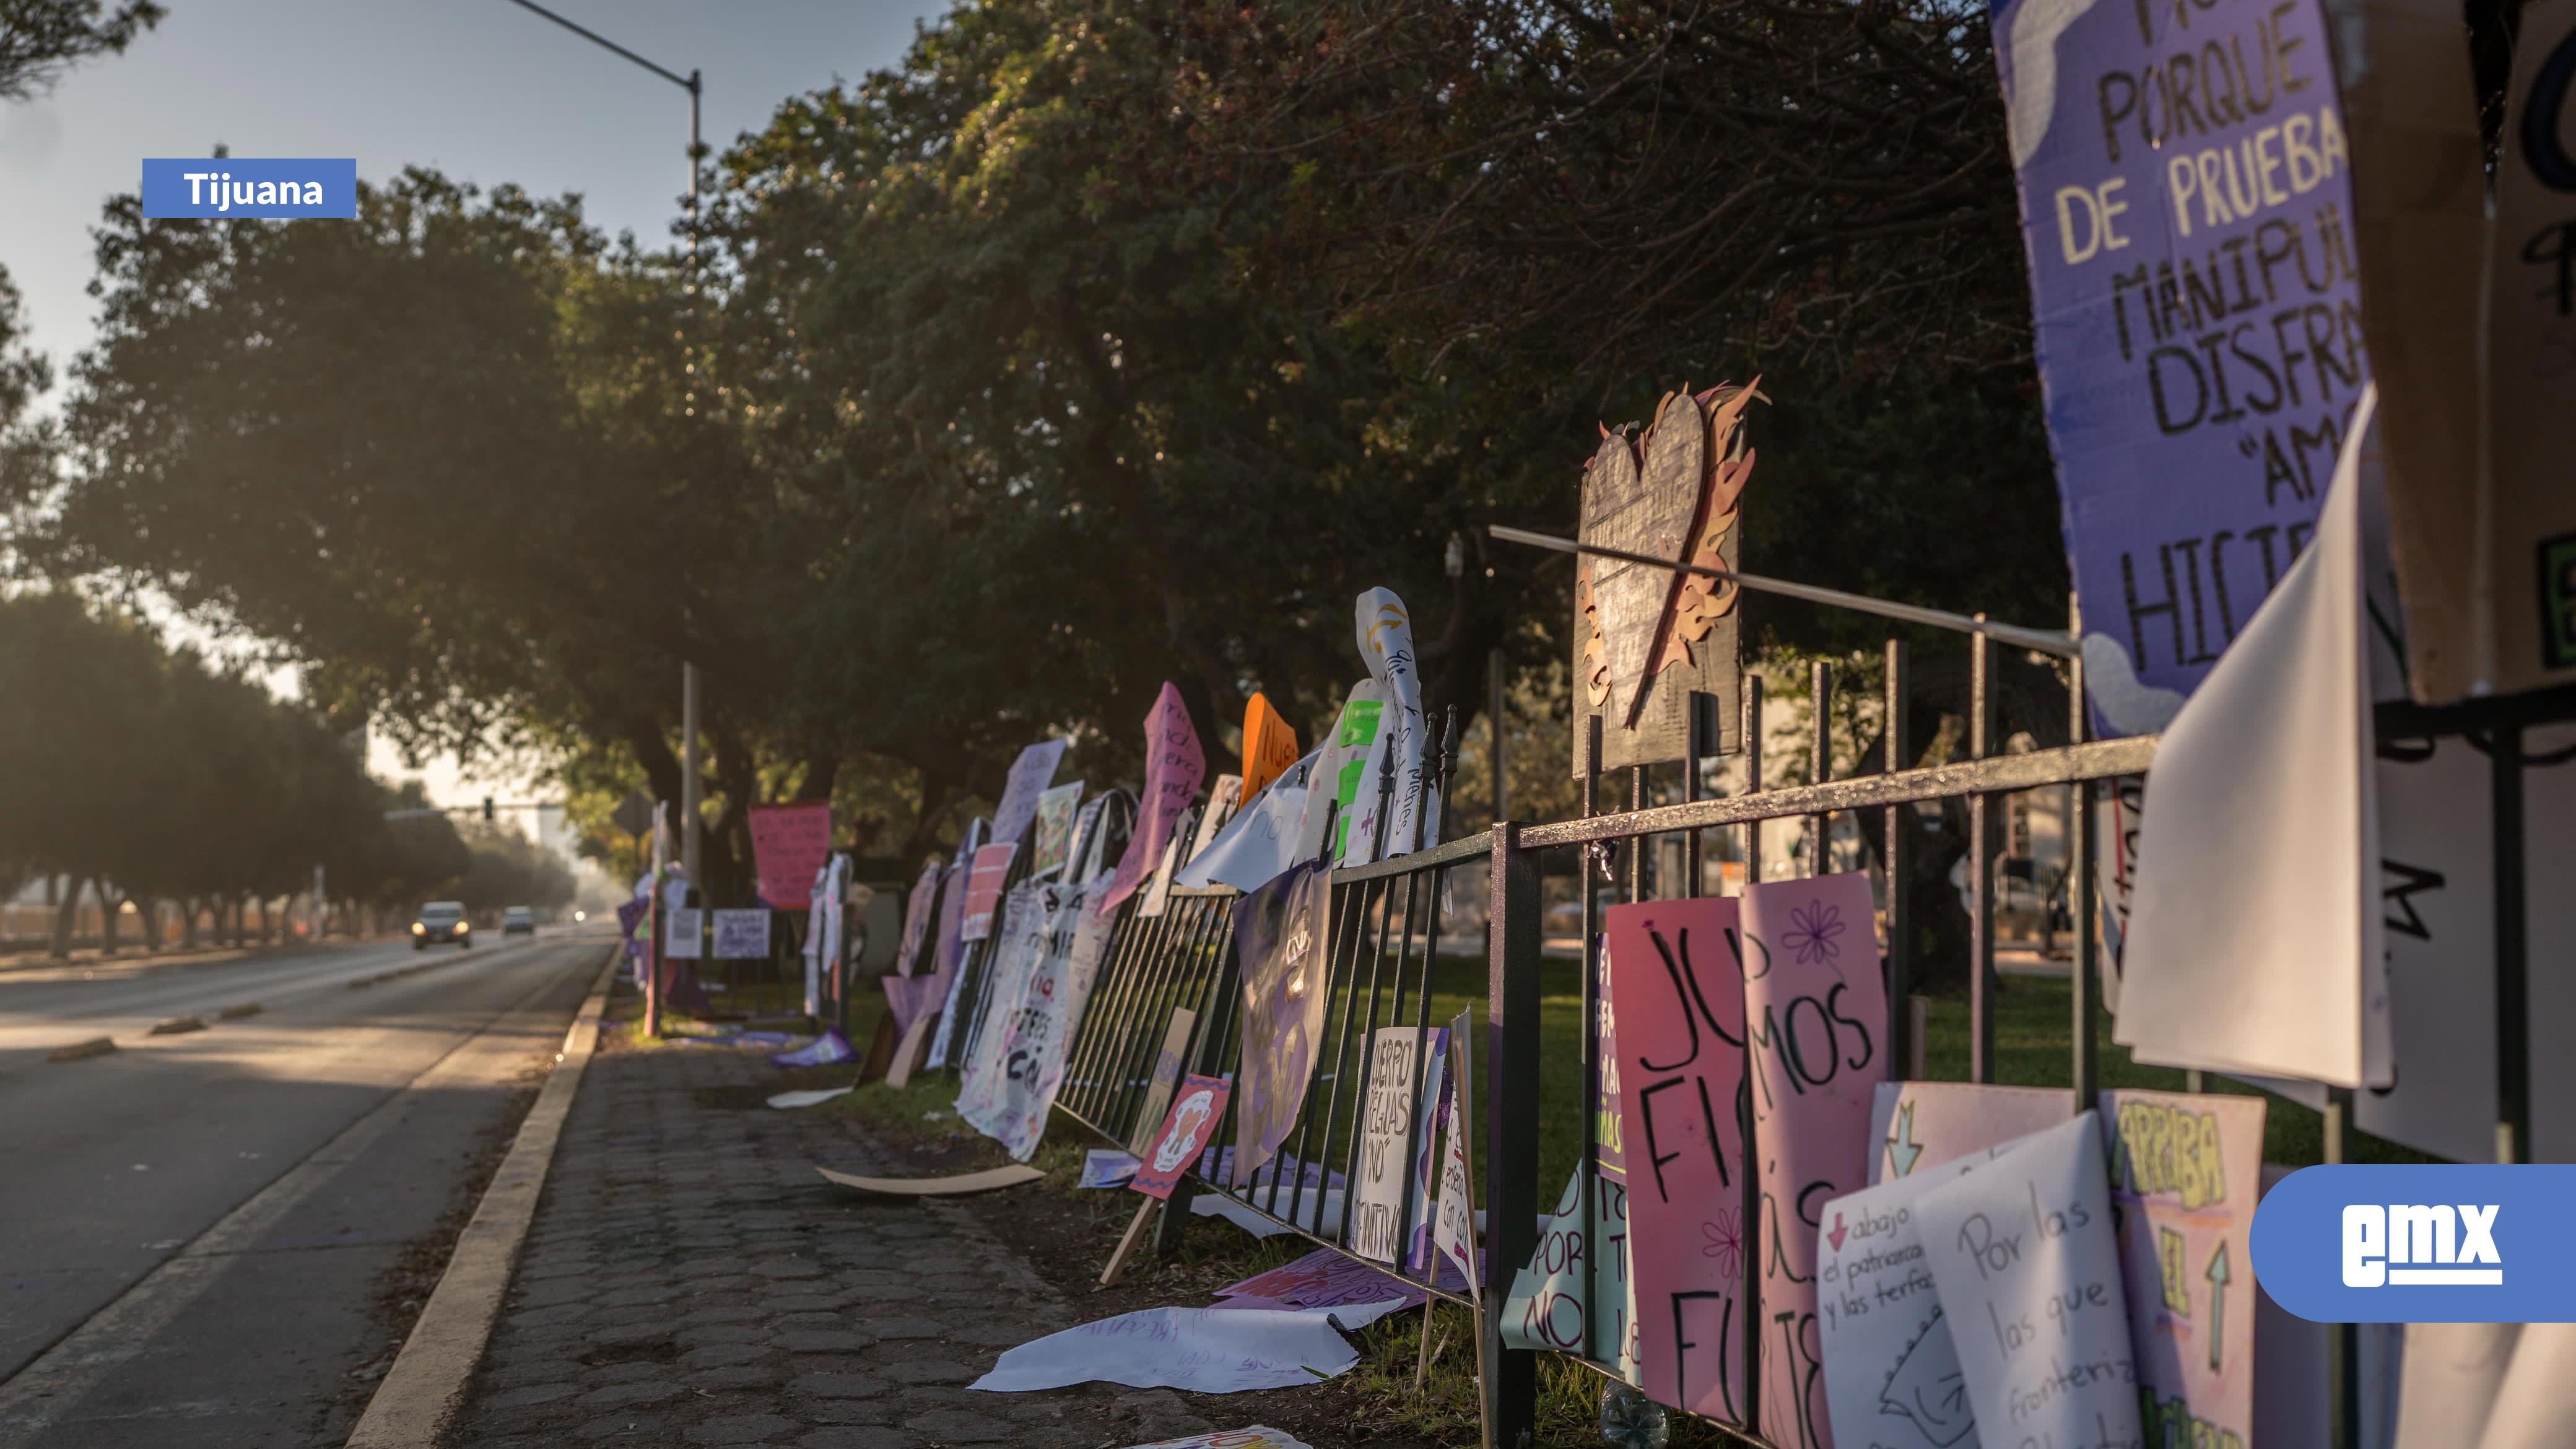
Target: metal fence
pixel 1390 926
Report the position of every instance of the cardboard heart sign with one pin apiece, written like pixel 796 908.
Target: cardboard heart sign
pixel 1668 493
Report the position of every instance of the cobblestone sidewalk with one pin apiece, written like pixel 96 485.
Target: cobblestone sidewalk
pixel 690 1280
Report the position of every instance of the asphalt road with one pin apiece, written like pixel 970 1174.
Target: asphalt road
pixel 200 1233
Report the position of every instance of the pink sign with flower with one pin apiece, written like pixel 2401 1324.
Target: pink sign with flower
pixel 1680 1069
pixel 1818 1009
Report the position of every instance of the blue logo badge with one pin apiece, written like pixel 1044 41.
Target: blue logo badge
pixel 2437 1244
pixel 265 189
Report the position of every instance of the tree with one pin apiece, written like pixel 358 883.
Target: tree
pixel 41 39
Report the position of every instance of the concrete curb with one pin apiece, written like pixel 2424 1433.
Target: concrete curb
pixel 427 1381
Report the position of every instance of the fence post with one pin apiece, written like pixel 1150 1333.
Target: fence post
pixel 2079 890
pixel 1900 944
pixel 1511 1127
pixel 1981 871
pixel 2513 951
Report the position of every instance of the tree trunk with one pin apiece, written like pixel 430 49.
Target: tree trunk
pixel 67 918
pixel 108 901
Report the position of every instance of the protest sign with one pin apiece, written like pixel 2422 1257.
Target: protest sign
pixel 1282 937
pixel 1158 887
pixel 1925 1124
pixel 1173 768
pixel 909 996
pixel 992 866
pixel 1412 814
pixel 1674 974
pixel 1322 1279
pixel 1453 1234
pixel 1037 1035
pixel 1224 798
pixel 1018 945
pixel 788 844
pixel 1204 1350
pixel 1053 844
pixel 1269 744
pixel 684 934
pixel 1818 1009
pixel 919 909
pixel 1261 839
pixel 1343 772
pixel 2185 1175
pixel 1646 638
pixel 1549 1306
pixel 1197 1107
pixel 1165 1076
pixel 2255 942
pixel 950 948
pixel 827 902
pixel 1395 1127
pixel 2196 311
pixel 1892 1375
pixel 1028 779
pixel 742 935
pixel 2027 1268
pixel 2530 513
pixel 1259 1436
pixel 1104 1167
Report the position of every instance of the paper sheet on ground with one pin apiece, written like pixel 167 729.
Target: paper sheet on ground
pixel 984 1181
pixel 1106 1167
pixel 2024 1259
pixel 1205 1350
pixel 786 1101
pixel 1259 1436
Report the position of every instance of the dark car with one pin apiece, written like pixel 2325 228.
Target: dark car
pixel 441 923
pixel 518 921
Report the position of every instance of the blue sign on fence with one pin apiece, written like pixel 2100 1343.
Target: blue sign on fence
pixel 2426 1244
pixel 259 188
pixel 2186 207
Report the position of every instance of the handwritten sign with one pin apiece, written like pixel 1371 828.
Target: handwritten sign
pixel 1039 1028
pixel 1196 1109
pixel 1413 811
pixel 1347 767
pixel 1892 1375
pixel 788 845
pixel 684 935
pixel 1453 1233
pixel 1322 1279
pixel 1174 766
pixel 918 908
pixel 1915 1125
pixel 1269 744
pixel 1261 839
pixel 1390 1125
pixel 1053 845
pixel 1224 798
pixel 1018 944
pixel 1021 788
pixel 1681 1070
pixel 742 935
pixel 1163 1078
pixel 2197 314
pixel 1282 938
pixel 2023 1256
pixel 2185 1175
pixel 992 866
pixel 1818 1008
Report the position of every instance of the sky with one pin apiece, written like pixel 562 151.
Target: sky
pixel 481 89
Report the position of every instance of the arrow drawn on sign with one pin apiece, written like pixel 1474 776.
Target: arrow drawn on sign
pixel 1902 1153
pixel 2218 1275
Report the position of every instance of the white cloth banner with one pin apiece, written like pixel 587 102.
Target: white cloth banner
pixel 1251 849
pixel 2254 923
pixel 1032 1040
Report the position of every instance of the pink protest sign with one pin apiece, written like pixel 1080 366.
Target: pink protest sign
pixel 1680 1067
pixel 1914 1125
pixel 788 846
pixel 1174 766
pixel 1323 1279
pixel 1819 1024
pixel 984 890
pixel 2185 1174
pixel 1196 1109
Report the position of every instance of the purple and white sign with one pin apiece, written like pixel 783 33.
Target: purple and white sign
pixel 2187 211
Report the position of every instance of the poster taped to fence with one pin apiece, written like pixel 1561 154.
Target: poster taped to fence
pixel 1197 1106
pixel 1646 638
pixel 2186 1172
pixel 2197 315
pixel 1224 798
pixel 742 935
pixel 1037 1035
pixel 1412 811
pixel 2024 1259
pixel 1021 789
pixel 789 844
pixel 1261 839
pixel 1892 1375
pixel 1269 744
pixel 1915 1125
pixel 1052 845
pixel 1549 1306
pixel 1174 765
pixel 1396 1121
pixel 1819 1013
pixel 1335 785
pixel 684 937
pixel 919 907
pixel 992 866
pixel 1168 1061
pixel 1282 938
pixel 1011 962
pixel 1673 974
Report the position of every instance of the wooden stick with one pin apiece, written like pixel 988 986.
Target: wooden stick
pixel 1422 1356
pixel 1127 1245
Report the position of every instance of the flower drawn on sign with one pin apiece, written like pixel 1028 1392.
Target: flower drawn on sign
pixel 1723 1239
pixel 1189 1120
pixel 1814 933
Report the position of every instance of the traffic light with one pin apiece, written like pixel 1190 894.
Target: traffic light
pixel 487 809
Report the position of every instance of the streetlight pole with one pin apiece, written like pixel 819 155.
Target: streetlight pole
pixel 688 670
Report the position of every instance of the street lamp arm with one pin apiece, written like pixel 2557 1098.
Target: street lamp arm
pixel 688 83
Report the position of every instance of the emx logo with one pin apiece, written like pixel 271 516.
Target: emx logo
pixel 2416 1244
pixel 2431 1238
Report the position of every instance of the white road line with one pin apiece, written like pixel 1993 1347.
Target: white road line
pixel 31 1401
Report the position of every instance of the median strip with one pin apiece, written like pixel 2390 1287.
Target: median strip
pixel 236 1013
pixel 97 1046
pixel 177 1026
